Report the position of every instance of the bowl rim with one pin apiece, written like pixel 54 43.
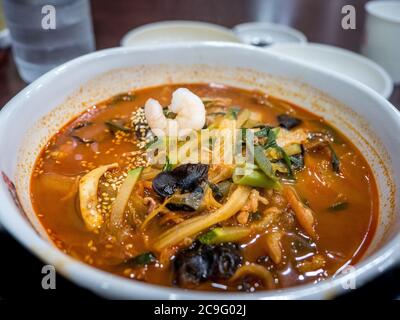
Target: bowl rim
pixel 386 79
pixel 107 284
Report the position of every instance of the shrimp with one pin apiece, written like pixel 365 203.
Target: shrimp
pixel 188 107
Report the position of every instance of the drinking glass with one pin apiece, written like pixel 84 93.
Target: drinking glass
pixel 47 33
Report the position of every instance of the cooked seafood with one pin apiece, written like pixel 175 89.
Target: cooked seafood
pixel 188 113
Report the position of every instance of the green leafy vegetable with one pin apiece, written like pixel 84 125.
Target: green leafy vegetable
pixel 233 113
pixel 334 160
pixel 330 131
pixel 81 125
pixel 82 140
pixel 263 132
pixel 271 138
pixel 263 163
pixel 287 161
pixel 168 165
pixel 122 97
pixel 117 125
pixel 271 143
pixel 297 161
pixel 142 259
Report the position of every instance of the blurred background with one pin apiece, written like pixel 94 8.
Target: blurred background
pixel 102 24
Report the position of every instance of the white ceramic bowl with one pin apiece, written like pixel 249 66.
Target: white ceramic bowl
pixel 167 32
pixel 31 117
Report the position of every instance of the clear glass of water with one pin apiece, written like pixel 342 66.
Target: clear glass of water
pixel 47 33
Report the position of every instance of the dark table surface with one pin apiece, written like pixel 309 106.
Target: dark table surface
pixel 319 20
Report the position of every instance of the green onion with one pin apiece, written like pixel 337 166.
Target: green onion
pixel 233 113
pixel 224 234
pixel 168 165
pixel 335 160
pixel 271 136
pixel 271 143
pixel 142 259
pixel 256 179
pixel 263 132
pixel 287 161
pixel 123 97
pixel 116 125
pixel 263 163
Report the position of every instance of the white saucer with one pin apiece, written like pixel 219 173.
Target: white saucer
pixel 177 31
pixel 339 60
pixel 263 34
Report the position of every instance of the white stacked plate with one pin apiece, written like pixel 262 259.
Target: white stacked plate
pixel 339 60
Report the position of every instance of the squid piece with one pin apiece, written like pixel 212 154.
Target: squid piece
pixel 88 186
pixel 257 271
pixel 312 264
pixel 274 246
pixel 251 206
pixel 304 215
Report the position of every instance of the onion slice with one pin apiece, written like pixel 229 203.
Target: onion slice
pixel 193 226
pixel 124 193
pixel 88 186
